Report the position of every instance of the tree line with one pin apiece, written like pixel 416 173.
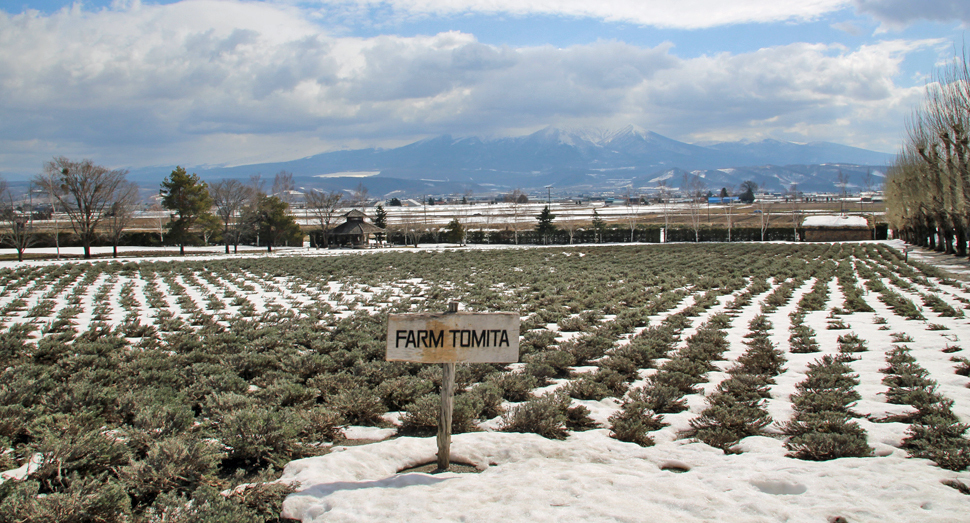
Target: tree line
pixel 101 204
pixel 928 185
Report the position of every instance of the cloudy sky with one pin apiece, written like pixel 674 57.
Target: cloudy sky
pixel 192 82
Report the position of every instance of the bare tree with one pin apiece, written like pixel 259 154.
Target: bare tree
pixel 410 227
pixel 52 202
pixel 869 182
pixel 765 207
pixel 728 210
pixel 634 213
pixel 121 213
pixel 515 199
pixel 664 194
pixel 84 190
pixel 159 219
pixel 257 187
pixel 16 215
pixel 694 189
pixel 570 226
pixel 283 186
pixel 843 183
pixel 230 196
pixel 324 207
pixel 485 226
pixel 796 209
pixel 359 196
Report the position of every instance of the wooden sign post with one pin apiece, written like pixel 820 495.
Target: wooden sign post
pixel 450 338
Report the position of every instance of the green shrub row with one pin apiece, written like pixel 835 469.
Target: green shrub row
pixel 935 432
pixel 821 428
pixel 735 410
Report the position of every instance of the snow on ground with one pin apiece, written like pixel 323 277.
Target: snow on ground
pixel 590 477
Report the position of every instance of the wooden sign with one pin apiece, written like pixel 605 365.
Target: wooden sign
pixel 454 337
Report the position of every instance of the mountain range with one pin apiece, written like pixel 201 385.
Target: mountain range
pixel 572 161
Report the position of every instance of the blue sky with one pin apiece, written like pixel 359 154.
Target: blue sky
pixel 193 82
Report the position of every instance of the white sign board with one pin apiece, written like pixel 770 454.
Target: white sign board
pixel 457 337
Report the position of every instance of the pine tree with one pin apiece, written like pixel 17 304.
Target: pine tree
pixel 598 226
pixel 188 197
pixel 272 222
pixel 380 220
pixel 455 231
pixel 545 228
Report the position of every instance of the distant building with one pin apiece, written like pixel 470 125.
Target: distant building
pixel 836 229
pixel 355 231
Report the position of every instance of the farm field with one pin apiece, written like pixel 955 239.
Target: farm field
pixel 727 382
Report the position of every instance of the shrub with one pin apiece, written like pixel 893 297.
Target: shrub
pixel 514 387
pixel 320 424
pixel 421 417
pixel 822 446
pixel 551 364
pixel 586 348
pixel 536 341
pixel 256 436
pixel 633 422
pixel 491 399
pixel 820 428
pixel 851 343
pixel 963 365
pixel 587 388
pixel 901 337
pixel 359 406
pixel 577 418
pixel 761 358
pixel 177 463
pixel 621 368
pixel 722 426
pixel 100 498
pixel 940 438
pixel 735 411
pixel 659 397
pixel 802 340
pixel 398 392
pixel 74 444
pixel 255 504
pixel 544 415
pixel 573 324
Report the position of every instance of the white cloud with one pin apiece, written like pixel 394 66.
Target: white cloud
pixel 216 81
pixel 684 14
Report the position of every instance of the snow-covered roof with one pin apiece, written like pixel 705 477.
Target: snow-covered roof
pixel 835 221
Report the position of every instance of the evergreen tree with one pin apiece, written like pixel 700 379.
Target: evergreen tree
pixel 270 219
pixel 188 197
pixel 747 192
pixel 598 226
pixel 455 231
pixel 545 228
pixel 380 220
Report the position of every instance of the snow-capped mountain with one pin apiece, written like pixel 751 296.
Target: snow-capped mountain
pixel 586 159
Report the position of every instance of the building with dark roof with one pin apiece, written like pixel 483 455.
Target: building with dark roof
pixel 355 231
